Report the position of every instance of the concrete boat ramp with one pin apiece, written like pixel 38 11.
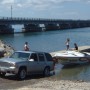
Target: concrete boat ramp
pixel 81 49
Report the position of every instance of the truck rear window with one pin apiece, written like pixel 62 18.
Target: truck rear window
pixel 41 57
pixel 48 57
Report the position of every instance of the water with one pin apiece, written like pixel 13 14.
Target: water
pixel 49 41
pixel 54 41
pixel 81 73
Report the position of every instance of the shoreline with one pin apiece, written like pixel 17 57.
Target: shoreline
pixel 58 85
pixel 6 50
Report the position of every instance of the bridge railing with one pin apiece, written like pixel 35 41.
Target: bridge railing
pixel 28 19
pixel 22 19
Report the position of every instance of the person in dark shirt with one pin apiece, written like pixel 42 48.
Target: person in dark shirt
pixel 75 46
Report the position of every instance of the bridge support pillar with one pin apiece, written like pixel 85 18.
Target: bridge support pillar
pixel 50 27
pixel 32 28
pixel 74 25
pixel 65 25
pixel 82 24
pixel 6 29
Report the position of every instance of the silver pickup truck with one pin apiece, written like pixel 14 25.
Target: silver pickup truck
pixel 23 63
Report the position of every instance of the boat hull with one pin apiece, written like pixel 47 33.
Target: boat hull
pixel 72 58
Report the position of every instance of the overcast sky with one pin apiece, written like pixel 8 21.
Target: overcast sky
pixel 62 9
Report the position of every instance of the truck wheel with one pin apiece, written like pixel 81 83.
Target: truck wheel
pixel 22 74
pixel 2 74
pixel 46 72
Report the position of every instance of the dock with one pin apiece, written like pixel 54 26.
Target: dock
pixel 81 49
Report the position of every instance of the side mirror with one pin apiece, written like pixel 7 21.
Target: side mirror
pixel 31 60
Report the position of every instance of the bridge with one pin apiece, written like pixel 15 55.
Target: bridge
pixel 40 24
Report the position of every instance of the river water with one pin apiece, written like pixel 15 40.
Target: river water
pixel 50 41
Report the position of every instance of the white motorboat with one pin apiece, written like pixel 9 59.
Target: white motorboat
pixel 72 57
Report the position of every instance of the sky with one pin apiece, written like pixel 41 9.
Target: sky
pixel 52 9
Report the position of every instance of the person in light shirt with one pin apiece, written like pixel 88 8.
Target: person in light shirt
pixel 67 43
pixel 26 48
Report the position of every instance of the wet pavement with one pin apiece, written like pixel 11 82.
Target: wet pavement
pixel 75 73
pixel 11 81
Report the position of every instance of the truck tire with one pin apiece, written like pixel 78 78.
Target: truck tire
pixel 22 74
pixel 46 72
pixel 2 74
